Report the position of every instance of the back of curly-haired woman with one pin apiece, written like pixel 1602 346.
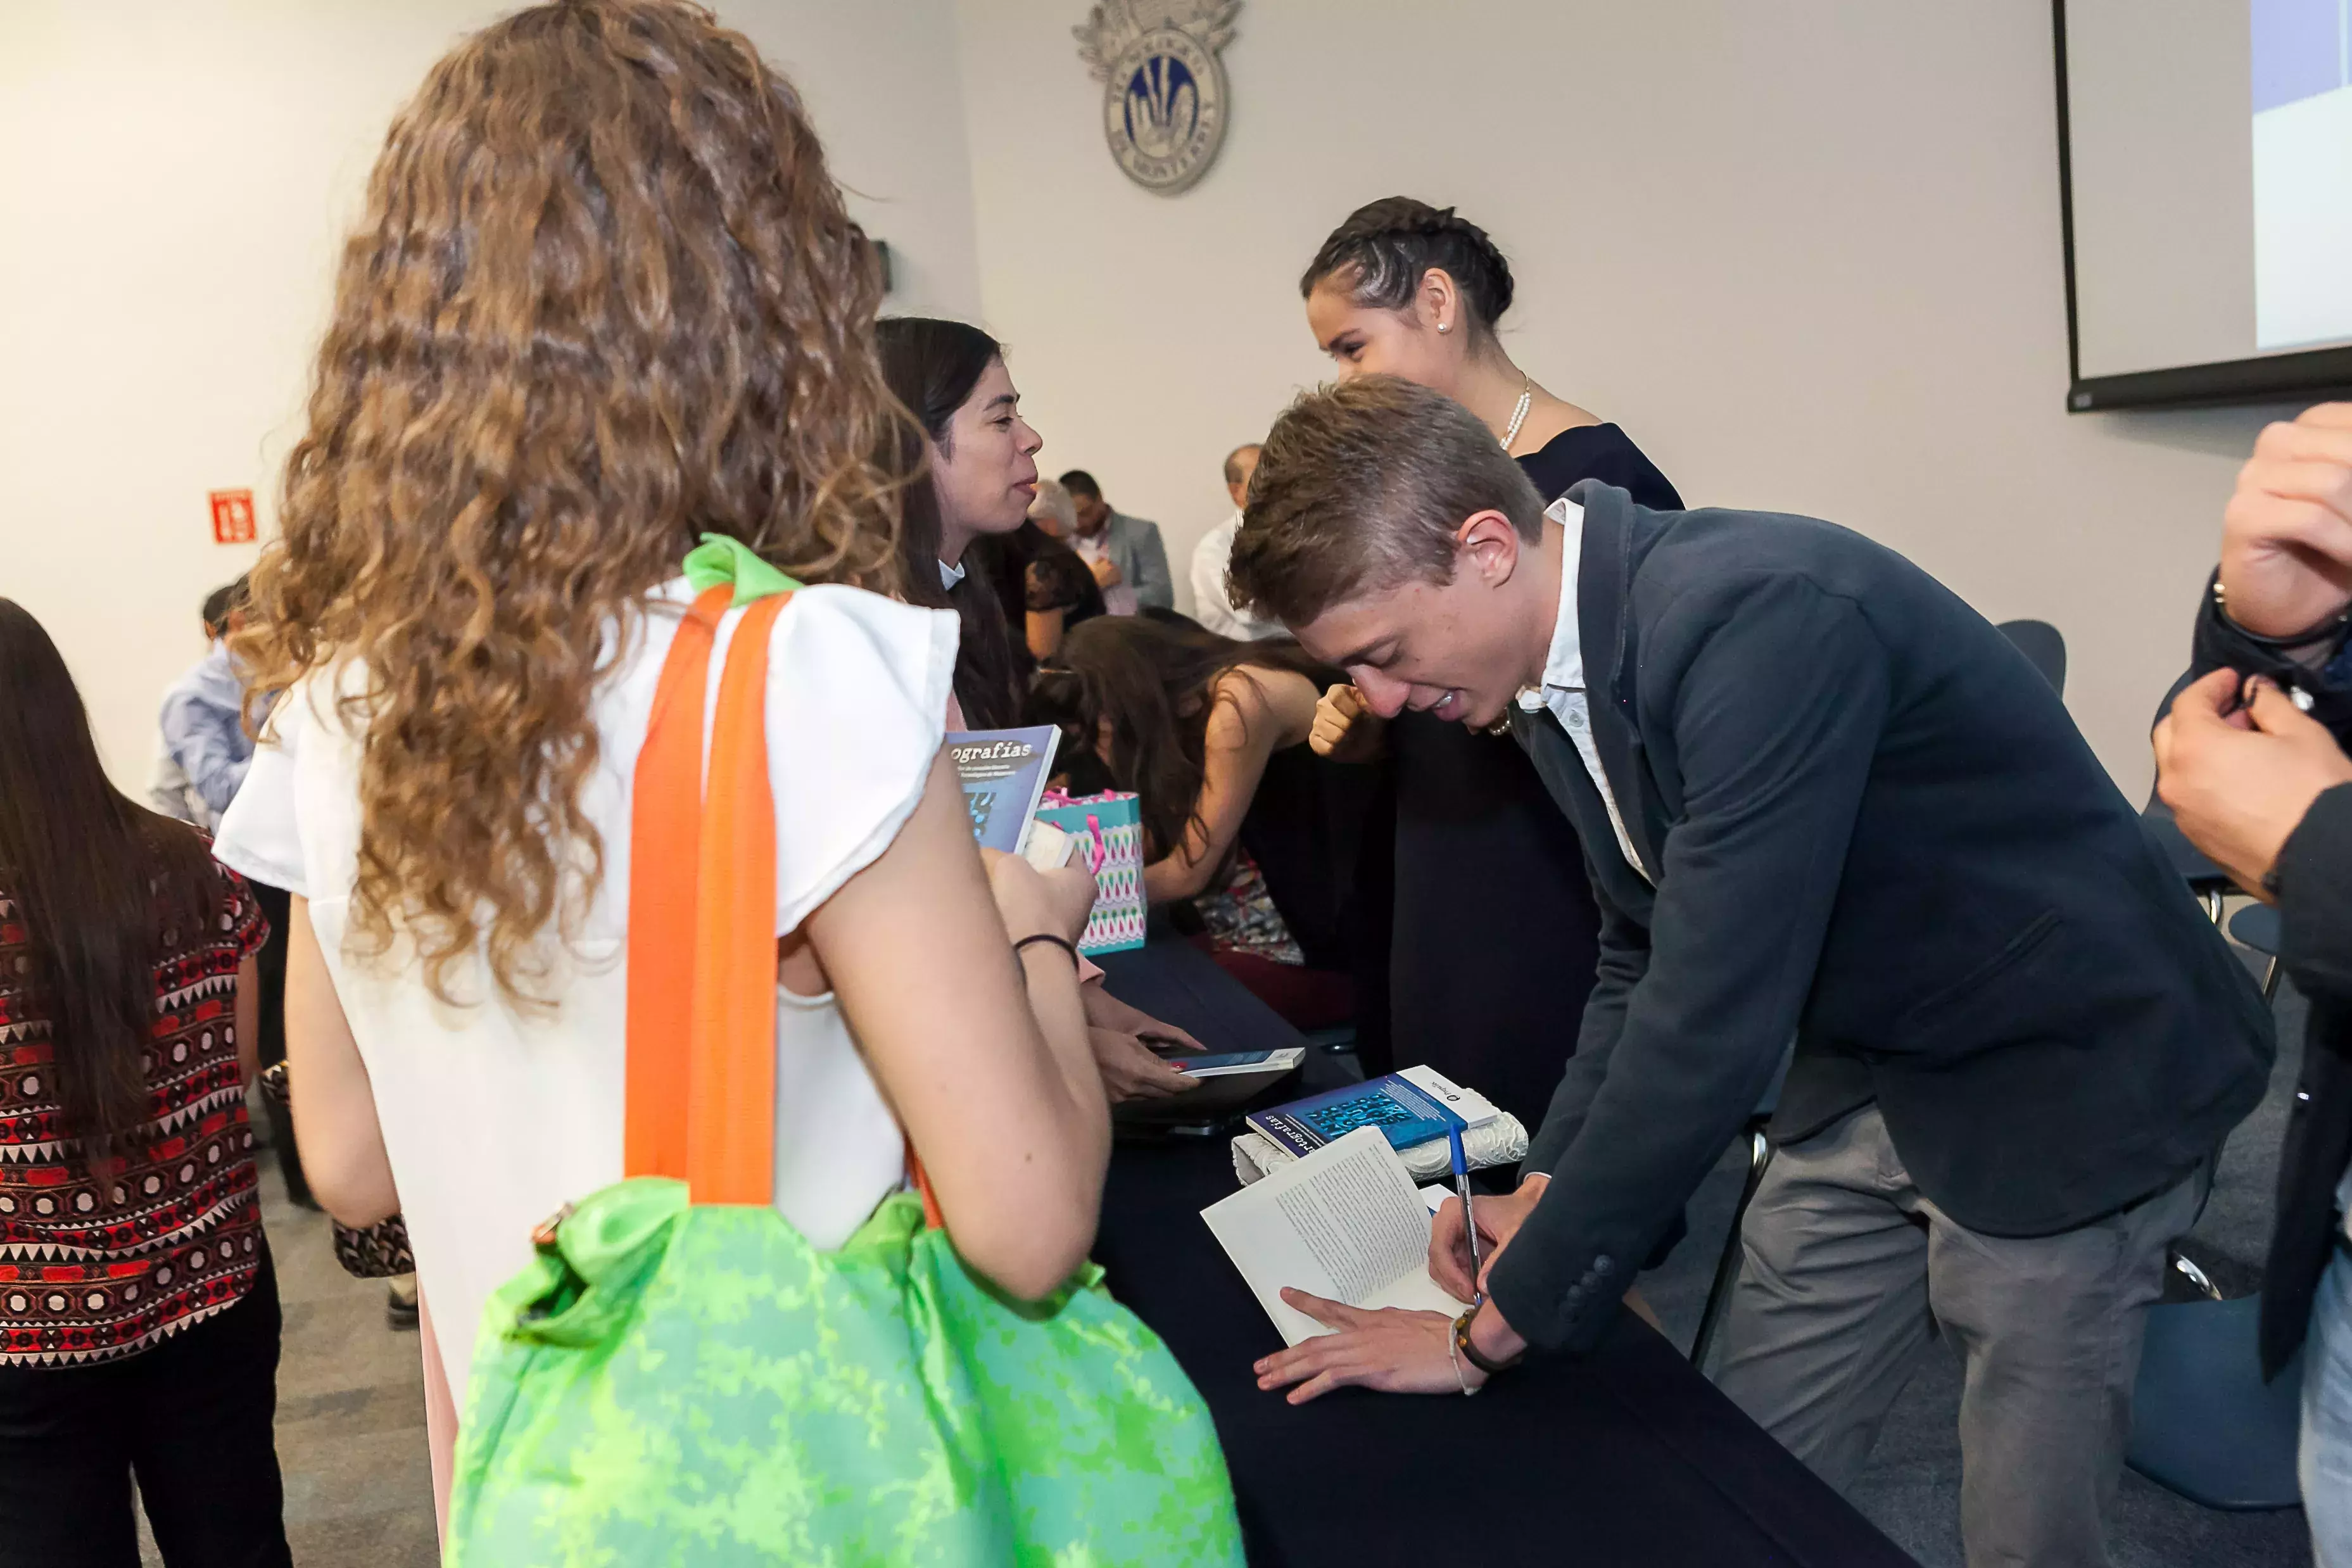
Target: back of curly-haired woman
pixel 606 301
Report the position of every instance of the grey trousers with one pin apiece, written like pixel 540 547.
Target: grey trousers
pixel 1848 1274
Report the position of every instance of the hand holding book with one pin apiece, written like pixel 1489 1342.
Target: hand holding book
pixel 1031 901
pixel 1385 1349
pixel 1131 1071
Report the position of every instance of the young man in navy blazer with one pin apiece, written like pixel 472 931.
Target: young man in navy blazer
pixel 1822 799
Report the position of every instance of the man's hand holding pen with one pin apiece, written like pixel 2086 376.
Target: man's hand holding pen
pixel 1451 1263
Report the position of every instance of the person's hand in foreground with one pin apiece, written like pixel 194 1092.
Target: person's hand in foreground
pixel 2286 539
pixel 1031 901
pixel 1121 1037
pixel 1129 1070
pixel 1104 1011
pixel 1399 1352
pixel 1346 728
pixel 1388 1350
pixel 2240 781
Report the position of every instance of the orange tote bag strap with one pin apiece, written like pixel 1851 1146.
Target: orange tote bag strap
pixel 731 1094
pixel 921 1181
pixel 665 858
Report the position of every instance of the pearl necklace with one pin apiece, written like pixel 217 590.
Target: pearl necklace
pixel 1520 413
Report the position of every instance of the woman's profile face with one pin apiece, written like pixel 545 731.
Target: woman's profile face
pixel 1368 340
pixel 985 470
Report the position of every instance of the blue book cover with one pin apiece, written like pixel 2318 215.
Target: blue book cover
pixel 1408 1107
pixel 1004 773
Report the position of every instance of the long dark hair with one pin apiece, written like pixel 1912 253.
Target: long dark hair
pixel 1385 247
pixel 1155 681
pixel 99 882
pixel 932 366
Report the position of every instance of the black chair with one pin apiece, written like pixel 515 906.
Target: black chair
pixel 2204 1424
pixel 2207 881
pixel 2257 926
pixel 2043 645
pixel 1727 1265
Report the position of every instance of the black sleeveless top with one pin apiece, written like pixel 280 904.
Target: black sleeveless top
pixel 1601 452
pixel 1495 936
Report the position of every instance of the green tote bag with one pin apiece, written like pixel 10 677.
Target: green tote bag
pixel 678 1378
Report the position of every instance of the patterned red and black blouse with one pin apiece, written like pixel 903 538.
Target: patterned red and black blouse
pixel 89 1275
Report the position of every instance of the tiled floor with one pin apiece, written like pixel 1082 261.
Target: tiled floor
pixel 1911 1487
pixel 351 1408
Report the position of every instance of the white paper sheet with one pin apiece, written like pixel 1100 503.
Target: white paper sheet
pixel 1345 1223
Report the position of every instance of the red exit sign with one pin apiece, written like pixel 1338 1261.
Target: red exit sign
pixel 232 517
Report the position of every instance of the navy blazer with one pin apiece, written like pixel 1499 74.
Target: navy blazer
pixel 1875 829
pixel 2315 904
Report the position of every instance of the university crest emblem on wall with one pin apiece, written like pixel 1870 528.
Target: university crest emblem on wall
pixel 1163 85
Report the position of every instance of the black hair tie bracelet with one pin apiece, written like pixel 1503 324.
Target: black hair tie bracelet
pixel 1065 943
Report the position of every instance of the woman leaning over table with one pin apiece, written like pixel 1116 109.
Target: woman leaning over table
pixel 1242 824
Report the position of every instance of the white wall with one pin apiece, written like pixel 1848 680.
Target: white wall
pixel 177 177
pixel 1806 252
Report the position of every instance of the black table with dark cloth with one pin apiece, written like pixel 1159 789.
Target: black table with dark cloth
pixel 1626 1455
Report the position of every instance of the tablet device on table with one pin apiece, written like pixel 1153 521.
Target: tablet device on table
pixel 1225 1064
pixel 1229 1081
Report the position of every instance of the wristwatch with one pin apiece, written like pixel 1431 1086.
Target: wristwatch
pixel 1471 1353
pixel 2333 626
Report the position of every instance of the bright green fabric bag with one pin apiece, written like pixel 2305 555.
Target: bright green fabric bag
pixel 691 1384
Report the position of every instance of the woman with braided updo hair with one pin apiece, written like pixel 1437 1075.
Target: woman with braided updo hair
pixel 1486 866
pixel 1408 290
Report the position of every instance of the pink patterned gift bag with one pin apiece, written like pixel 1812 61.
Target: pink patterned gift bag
pixel 1110 828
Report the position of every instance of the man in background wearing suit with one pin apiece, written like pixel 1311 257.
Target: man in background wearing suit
pixel 1127 555
pixel 1823 801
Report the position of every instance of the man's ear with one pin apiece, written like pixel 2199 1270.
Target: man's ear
pixel 1487 545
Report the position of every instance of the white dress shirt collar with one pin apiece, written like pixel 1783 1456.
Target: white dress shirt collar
pixel 951 575
pixel 1564 664
pixel 1563 689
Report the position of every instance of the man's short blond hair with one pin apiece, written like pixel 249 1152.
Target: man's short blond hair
pixel 1361 487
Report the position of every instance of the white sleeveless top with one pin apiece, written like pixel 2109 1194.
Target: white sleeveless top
pixel 494 1117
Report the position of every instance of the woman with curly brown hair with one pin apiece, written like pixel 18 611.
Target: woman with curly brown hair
pixel 606 301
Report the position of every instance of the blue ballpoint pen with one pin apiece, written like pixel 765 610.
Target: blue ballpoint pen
pixel 1469 1221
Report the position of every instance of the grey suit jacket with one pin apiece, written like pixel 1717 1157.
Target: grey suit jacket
pixel 1142 560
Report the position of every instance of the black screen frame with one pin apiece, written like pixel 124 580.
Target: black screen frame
pixel 2264 378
